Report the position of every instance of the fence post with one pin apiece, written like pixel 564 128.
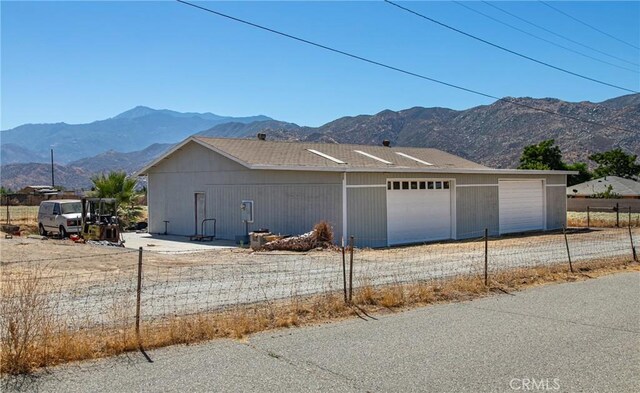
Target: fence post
pixel 486 257
pixel 633 248
pixel 588 218
pixel 138 295
pixel 350 268
pixel 344 273
pixel 617 215
pixel 566 242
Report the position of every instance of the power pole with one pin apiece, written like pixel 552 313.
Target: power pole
pixel 53 184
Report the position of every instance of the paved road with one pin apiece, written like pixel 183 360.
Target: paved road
pixel 582 336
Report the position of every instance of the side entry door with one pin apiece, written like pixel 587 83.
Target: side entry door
pixel 200 212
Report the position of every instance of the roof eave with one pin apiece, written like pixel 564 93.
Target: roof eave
pixel 413 170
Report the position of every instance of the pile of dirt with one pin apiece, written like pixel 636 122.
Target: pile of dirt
pixel 320 237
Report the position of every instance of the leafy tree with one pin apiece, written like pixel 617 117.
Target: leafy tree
pixel 117 185
pixel 606 194
pixel 544 155
pixel 583 175
pixel 5 191
pixel 616 163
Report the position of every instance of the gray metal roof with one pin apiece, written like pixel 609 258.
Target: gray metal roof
pixel 301 154
pixel 328 157
pixel 623 187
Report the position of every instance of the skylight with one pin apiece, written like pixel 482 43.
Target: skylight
pixel 328 157
pixel 413 158
pixel 374 157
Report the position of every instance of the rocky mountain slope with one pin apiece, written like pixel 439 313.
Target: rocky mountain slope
pixel 129 131
pixel 493 135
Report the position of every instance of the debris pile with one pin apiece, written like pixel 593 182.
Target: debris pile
pixel 320 237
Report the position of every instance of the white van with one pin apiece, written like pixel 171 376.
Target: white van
pixel 60 216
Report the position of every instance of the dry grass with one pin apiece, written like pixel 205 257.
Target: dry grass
pixel 30 338
pixel 20 214
pixel 602 219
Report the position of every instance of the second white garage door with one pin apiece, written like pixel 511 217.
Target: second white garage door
pixel 521 205
pixel 418 211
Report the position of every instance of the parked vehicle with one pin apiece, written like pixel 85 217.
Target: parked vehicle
pixel 60 216
pixel 100 220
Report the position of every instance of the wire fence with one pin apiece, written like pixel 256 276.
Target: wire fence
pixel 101 292
pixel 83 305
pixel 604 216
pixel 18 213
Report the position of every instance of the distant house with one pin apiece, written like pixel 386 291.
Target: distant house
pixel 38 190
pixel 382 195
pixel 625 188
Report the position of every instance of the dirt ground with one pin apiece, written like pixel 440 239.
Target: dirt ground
pixel 65 256
pixel 88 282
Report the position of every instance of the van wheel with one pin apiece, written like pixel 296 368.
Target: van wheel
pixel 63 232
pixel 41 230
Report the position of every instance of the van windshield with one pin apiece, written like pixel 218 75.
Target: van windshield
pixel 68 208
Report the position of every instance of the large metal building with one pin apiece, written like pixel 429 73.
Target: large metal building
pixel 381 195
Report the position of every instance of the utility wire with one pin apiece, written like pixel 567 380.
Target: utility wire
pixel 508 50
pixel 468 90
pixel 588 25
pixel 559 35
pixel 543 39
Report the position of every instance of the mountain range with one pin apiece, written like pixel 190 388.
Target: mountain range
pixel 129 131
pixel 493 135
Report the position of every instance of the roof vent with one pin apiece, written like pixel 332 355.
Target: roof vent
pixel 262 136
pixel 386 143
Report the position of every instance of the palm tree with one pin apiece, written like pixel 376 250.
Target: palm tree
pixel 117 185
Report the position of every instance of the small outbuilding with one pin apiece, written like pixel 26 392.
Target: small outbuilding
pixel 382 195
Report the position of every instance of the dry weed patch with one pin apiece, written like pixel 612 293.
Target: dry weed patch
pixel 32 338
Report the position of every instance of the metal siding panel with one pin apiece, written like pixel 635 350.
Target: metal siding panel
pixel 381 178
pixel 285 209
pixel 367 216
pixel 556 207
pixel 155 198
pixel 477 209
pixel 556 179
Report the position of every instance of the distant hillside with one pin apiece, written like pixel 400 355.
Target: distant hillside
pixel 493 135
pixel 11 153
pixel 115 161
pixel 276 129
pixel 17 176
pixel 129 131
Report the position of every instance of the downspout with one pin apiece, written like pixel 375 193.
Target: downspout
pixel 344 208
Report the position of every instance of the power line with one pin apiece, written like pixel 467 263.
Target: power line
pixel 543 39
pixel 560 35
pixel 468 90
pixel 588 25
pixel 508 50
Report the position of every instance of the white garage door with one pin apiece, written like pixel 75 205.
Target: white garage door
pixel 521 205
pixel 418 211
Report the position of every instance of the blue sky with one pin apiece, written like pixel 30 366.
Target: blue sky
pixel 82 61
